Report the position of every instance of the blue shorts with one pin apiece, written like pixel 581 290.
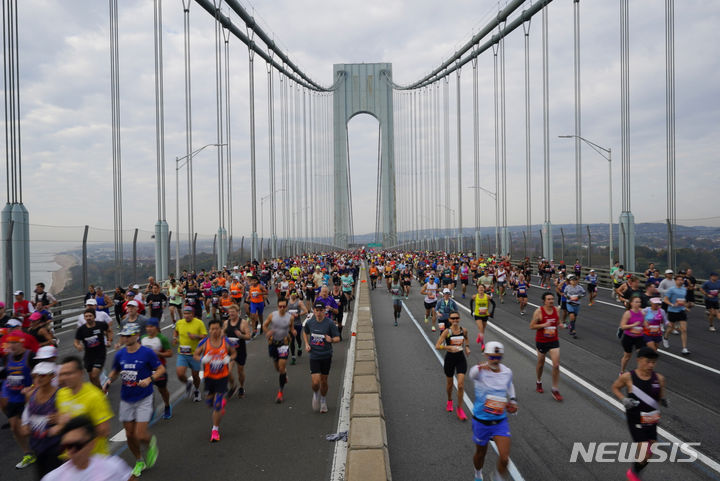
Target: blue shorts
pixel 257 308
pixel 573 308
pixel 483 433
pixel 186 360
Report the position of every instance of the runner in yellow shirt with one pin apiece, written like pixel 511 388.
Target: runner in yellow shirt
pixel 188 332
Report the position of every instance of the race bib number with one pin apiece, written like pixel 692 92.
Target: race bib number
pixel 713 293
pixel 441 325
pixel 653 330
pixel 317 339
pixel 129 377
pixel 456 340
pixel 521 290
pixel 234 341
pixel 431 295
pixel 395 291
pixel 652 417
pixel 550 331
pixel 185 350
pixel 216 364
pixel 574 298
pixel 636 329
pixel 482 311
pixel 283 351
pixel 494 405
pixel 14 382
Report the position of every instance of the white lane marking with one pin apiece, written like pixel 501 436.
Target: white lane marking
pixel 668 353
pixel 512 469
pixel 711 463
pixel 340 453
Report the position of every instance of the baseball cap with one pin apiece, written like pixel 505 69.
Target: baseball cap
pixel 91 302
pixel 133 303
pixel 669 271
pixel 136 286
pixel 656 300
pixel 153 321
pixel 446 291
pixel 18 293
pixel 35 316
pixel 592 270
pixel 130 330
pixel 711 274
pixel 46 352
pixel 2 304
pixel 571 276
pixel 494 347
pixel 319 305
pixel 13 323
pixel 187 309
pixel 44 368
pixel 647 352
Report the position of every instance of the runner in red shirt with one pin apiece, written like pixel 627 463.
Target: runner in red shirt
pixel 545 322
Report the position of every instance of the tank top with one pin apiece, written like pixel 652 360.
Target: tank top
pixel 522 288
pixel 256 294
pixel 232 335
pixel 216 369
pixel 39 421
pixel 431 290
pixel 549 333
pixel 280 326
pixel 396 291
pixel 102 305
pixel 455 340
pixel 655 321
pixel 481 305
pixel 636 321
pixel 647 413
pixel 236 290
pixel 294 309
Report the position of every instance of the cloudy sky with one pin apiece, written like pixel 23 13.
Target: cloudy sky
pixel 65 77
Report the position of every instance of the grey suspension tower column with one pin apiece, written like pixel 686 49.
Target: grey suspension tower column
pixel 161 226
pixel 547 226
pixel 363 88
pixel 627 221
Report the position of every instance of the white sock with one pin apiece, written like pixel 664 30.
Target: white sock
pixel 322 398
pixel 216 428
pixel 478 473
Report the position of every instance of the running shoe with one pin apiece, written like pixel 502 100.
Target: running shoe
pixel 215 436
pixel 300 351
pixel 433 329
pixel 556 395
pixel 316 401
pixel 478 477
pixel 293 361
pixel 632 476
pixel 676 332
pixel 666 343
pixel 712 329
pixel 26 461
pixel 685 351
pixel 240 392
pixel 426 320
pixel 461 414
pixel 168 412
pixel 449 406
pixel 188 388
pixel 197 398
pixel 522 313
pixel 573 334
pixel 396 323
pixel 323 406
pixel 538 387
pixel 279 397
pixel 479 339
pixel 152 452
pixel 139 468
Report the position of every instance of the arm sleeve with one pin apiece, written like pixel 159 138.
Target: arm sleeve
pixel 474 373
pixel 510 388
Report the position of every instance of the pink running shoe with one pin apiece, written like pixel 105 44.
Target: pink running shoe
pixel 449 407
pixel 632 476
pixel 480 339
pixel 461 414
pixel 215 436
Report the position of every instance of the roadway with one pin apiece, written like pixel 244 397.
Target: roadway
pixel 425 442
pixel 260 440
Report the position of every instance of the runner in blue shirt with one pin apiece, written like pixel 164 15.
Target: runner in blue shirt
pixel 675 299
pixel 710 290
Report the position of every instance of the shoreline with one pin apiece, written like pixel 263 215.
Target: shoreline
pixel 61 277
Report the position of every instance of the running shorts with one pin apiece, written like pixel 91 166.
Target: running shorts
pixel 629 342
pixel 712 304
pixel 216 386
pixel 641 433
pixel 573 308
pixel 138 411
pixel 545 347
pixel 656 339
pixel 186 360
pixel 430 305
pixel 482 433
pixel 591 287
pixel 278 350
pixel 93 361
pixel 320 366
pixel 257 308
pixel 455 362
pixel 677 316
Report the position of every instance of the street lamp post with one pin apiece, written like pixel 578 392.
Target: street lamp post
pixel 178 160
pixel 447 236
pixel 602 151
pixel 493 195
pixel 262 217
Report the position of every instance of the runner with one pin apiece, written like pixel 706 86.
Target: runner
pixel 348 283
pixel 157 302
pixel 494 395
pixel 592 281
pixel 187 334
pixel 710 290
pixel 480 307
pixel 444 308
pixel 545 322
pixel 655 320
pixel 674 298
pixel 297 309
pixel 277 328
pixel 319 334
pixel 93 337
pixel 374 272
pixel 501 277
pixel 397 294
pixel 645 393
pixel 175 300
pixel 12 399
pixel 237 332
pixel 138 366
pixel 464 274
pixel 160 345
pixel 257 293
pixel 407 282
pixel 632 323
pixel 572 293
pixel 454 341
pixel 522 288
pixel 215 353
pixel 429 290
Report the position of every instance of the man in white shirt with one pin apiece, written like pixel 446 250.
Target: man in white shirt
pixel 99 315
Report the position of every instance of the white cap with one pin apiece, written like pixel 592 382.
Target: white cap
pixel 91 302
pixel 46 352
pixel 13 323
pixel 18 293
pixel 446 291
pixel 669 271
pixel 494 347
pixel 136 286
pixel 44 368
pixel 133 303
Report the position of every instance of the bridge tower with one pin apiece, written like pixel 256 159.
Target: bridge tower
pixel 363 88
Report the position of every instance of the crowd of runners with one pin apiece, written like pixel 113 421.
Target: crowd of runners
pixel 297 305
pixel 653 313
pixel 55 413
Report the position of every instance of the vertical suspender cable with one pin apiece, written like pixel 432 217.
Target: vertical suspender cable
pixel 503 148
pixel 271 152
pixel 188 131
pixel 446 167
pixel 495 48
pixel 305 164
pixel 116 153
pixel 546 131
pixel 459 165
pixel 220 133
pixel 228 157
pixel 528 207
pixel 578 145
pixel 476 157
pixel 415 169
pixel 670 126
pixel 253 184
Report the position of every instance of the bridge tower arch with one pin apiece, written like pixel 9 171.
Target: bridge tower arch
pixel 363 88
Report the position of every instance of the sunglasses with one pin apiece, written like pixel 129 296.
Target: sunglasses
pixel 454 318
pixel 495 357
pixel 76 446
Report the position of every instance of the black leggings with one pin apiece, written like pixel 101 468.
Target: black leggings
pixel 296 339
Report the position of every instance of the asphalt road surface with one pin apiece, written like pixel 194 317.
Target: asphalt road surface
pixel 426 442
